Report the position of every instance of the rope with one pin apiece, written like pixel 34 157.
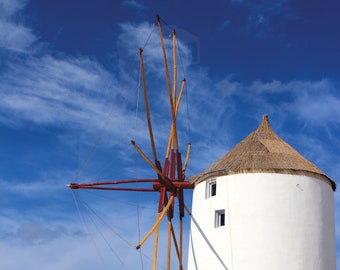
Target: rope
pixel 128 244
pixel 105 223
pixel 137 101
pixel 164 23
pixel 102 235
pixel 88 191
pixel 188 121
pixel 94 148
pixel 149 37
pixel 138 216
pixel 95 177
pixel 186 92
pixel 139 231
pixel 87 230
pixel 100 135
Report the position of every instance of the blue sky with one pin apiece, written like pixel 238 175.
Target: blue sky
pixel 69 83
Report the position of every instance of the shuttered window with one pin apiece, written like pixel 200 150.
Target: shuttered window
pixel 211 188
pixel 219 218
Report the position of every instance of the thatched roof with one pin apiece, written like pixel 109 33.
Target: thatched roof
pixel 262 152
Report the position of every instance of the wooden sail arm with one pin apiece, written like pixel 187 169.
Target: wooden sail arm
pixel 170 140
pixel 175 137
pixel 165 60
pixel 174 55
pixel 168 260
pixel 174 117
pixel 186 158
pixel 107 185
pixel 164 180
pixel 160 218
pixel 172 104
pixel 180 95
pixel 147 111
pixel 177 248
pixel 116 182
pixel 155 248
pixel 115 188
pixel 181 244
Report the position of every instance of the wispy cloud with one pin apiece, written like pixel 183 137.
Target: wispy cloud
pixel 225 25
pixel 14 36
pixel 134 4
pixel 36 234
pixel 73 93
pixel 299 98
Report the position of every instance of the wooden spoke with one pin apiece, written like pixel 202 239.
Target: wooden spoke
pixel 169 245
pixel 172 104
pixel 155 249
pixel 147 111
pixel 164 180
pixel 157 222
pixel 187 157
pixel 174 48
pixel 180 243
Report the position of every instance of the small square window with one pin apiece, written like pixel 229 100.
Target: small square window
pixel 211 188
pixel 219 218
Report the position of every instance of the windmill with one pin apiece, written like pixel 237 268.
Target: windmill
pixel 170 178
pixel 261 206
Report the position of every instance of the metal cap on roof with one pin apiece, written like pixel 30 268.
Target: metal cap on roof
pixel 262 151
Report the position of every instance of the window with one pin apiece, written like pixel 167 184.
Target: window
pixel 219 218
pixel 211 188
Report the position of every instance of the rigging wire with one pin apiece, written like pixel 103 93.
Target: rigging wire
pixel 94 213
pixel 118 201
pixel 137 107
pixel 139 230
pixel 186 92
pixel 100 135
pixel 102 235
pixel 149 37
pixel 95 177
pixel 188 120
pixel 164 23
pixel 137 102
pixel 94 147
pixel 108 226
pixel 88 230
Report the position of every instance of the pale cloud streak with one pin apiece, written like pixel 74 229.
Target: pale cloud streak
pixel 314 102
pixel 134 4
pixel 74 93
pixel 14 36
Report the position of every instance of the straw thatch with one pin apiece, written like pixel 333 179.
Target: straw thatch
pixel 262 152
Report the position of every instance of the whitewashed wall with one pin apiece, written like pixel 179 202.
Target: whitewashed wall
pixel 272 221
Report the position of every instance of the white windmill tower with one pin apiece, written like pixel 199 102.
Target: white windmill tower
pixel 262 207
